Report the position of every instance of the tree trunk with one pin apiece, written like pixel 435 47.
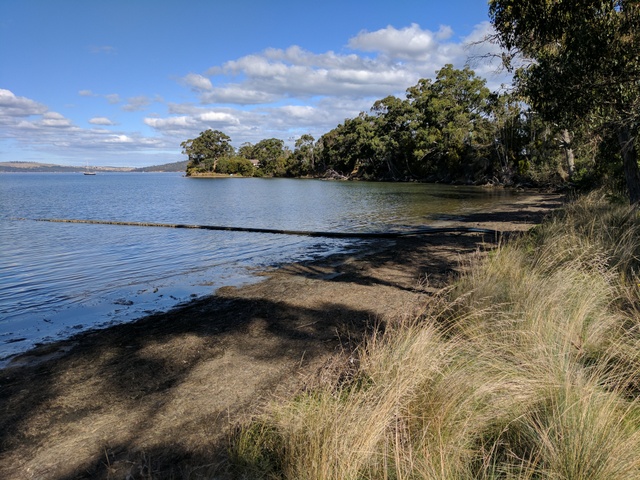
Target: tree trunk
pixel 630 162
pixel 568 152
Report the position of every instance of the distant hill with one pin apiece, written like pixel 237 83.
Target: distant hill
pixel 167 167
pixel 35 167
pixel 51 168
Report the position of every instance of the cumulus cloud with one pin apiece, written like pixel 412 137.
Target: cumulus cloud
pixel 215 117
pixel 198 119
pixel 238 94
pixel 171 123
pixel 383 62
pixel 14 106
pixel 54 119
pixel 101 121
pixel 280 74
pixel 197 82
pixel 409 43
pixel 118 139
pixel 38 129
pixel 281 92
pixel 136 104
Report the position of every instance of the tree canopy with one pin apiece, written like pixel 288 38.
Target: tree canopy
pixel 206 150
pixel 585 68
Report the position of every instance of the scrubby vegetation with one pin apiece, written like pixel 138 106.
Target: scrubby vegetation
pixel 528 367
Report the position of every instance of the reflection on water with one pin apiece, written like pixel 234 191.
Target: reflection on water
pixel 57 279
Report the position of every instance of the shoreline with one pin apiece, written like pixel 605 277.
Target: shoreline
pixel 171 386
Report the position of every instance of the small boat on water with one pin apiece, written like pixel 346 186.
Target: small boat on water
pixel 87 171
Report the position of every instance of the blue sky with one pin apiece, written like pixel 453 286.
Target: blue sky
pixel 123 82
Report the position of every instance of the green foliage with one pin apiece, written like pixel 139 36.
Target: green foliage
pixel 586 66
pixel 205 150
pixel 350 146
pixel 449 129
pixel 453 116
pixel 394 125
pixel 303 160
pixel 271 154
pixel 235 166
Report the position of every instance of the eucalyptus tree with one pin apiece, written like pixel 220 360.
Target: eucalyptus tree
pixel 246 151
pixel 271 154
pixel 351 147
pixel 585 65
pixel 303 160
pixel 453 120
pixel 395 123
pixel 205 150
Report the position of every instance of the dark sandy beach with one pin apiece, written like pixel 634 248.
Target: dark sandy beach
pixel 162 395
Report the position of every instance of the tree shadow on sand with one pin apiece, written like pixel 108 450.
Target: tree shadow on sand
pixel 166 385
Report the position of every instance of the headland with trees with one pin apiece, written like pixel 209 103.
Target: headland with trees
pixel 450 129
pixel 541 131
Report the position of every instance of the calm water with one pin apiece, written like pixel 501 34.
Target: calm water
pixel 57 279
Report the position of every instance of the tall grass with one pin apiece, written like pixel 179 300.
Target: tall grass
pixel 527 368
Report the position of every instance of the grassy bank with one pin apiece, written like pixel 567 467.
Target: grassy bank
pixel 528 367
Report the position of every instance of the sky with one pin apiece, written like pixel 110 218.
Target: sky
pixel 124 82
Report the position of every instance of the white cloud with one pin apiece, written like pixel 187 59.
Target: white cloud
pixel 171 123
pixel 197 82
pixel 299 111
pixel 220 117
pixel 276 74
pixel 237 94
pixel 101 121
pixel 54 119
pixel 14 106
pixel 119 139
pixel 113 98
pixel 40 131
pixel 409 43
pixel 135 104
pixel 256 66
pixel 285 92
pixel 384 62
pixel 198 119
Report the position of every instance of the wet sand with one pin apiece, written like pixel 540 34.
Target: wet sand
pixel 163 394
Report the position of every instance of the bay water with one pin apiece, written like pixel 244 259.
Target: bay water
pixel 57 279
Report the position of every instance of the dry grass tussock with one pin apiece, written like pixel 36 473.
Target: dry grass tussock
pixel 527 368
